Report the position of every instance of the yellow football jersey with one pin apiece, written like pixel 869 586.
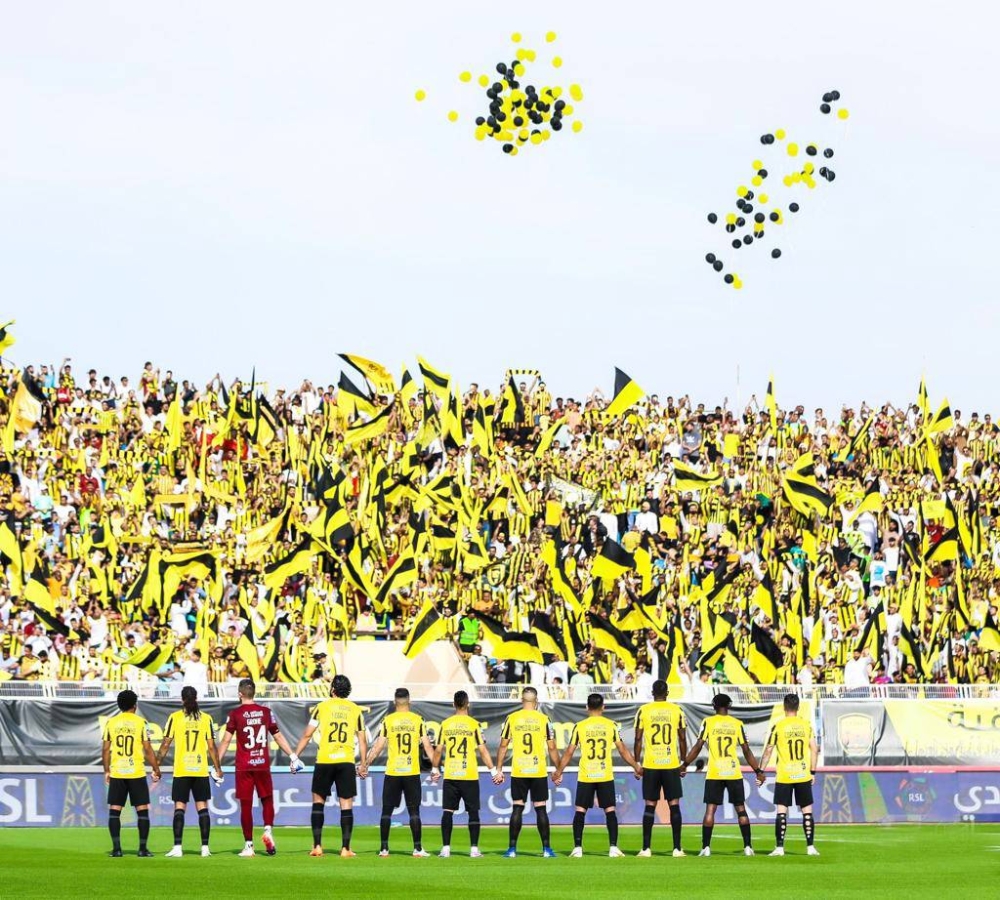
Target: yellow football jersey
pixel 337 721
pixel 460 736
pixel 723 735
pixel 596 737
pixel 528 732
pixel 190 735
pixel 790 738
pixel 403 732
pixel 126 732
pixel 661 724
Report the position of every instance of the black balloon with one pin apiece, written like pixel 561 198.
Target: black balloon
pixel 767 138
pixel 822 171
pixel 762 173
pixel 759 217
pixel 497 87
pixel 560 104
pixel 748 208
pixel 713 218
pixel 774 217
pixel 737 244
pixel 480 120
pixel 740 222
pixel 728 279
pixel 507 148
pixel 793 207
pixel 830 174
pixel 828 153
pixel 835 95
pixel 502 69
pixel 518 121
pixel 740 203
pixel 824 108
pixel 828 98
pixel 710 257
pixel 810 150
pixel 717 265
pixel 748 195
pixel 501 117
pixel 556 125
pixel 775 253
pixel 748 239
pixel 730 229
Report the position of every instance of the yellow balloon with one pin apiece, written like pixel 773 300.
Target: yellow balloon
pixel 420 95
pixel 536 138
pixel 546 134
pixel 567 110
pixel 756 181
pixel 842 113
pixel 737 284
pixel 531 56
pixel 550 36
pixel 557 93
pixel 506 135
pixel 741 190
pixel 808 168
pixel 453 116
pixel 484 80
pixel 516 37
pixel 523 134
pixel 521 54
pixel 465 76
pixel 780 134
pixel 513 151
pixel 788 180
pixel 793 149
pixel 578 126
pixel 556 61
pixel 808 179
pixel 480 132
pixel 576 92
pixel 763 198
pixel 756 164
pixel 518 69
pixel 730 218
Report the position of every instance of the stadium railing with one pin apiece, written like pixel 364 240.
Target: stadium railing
pixel 444 691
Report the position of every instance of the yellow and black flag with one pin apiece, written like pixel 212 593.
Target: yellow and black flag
pixel 151 657
pixel 772 405
pixel 923 401
pixel 429 626
pixel 367 431
pixel 272 654
pixel 612 562
pixel 6 338
pixel 550 639
pixel 512 412
pixel 942 420
pixel 504 644
pixel 351 399
pixel 765 656
pixel 295 562
pixel 627 394
pixel 378 376
pixel 25 410
pixel 944 550
pixel 403 572
pixel 607 637
pixel 989 636
pixel 438 383
pixel 687 478
pixel 806 496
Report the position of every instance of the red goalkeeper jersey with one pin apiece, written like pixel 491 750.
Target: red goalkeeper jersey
pixel 252 724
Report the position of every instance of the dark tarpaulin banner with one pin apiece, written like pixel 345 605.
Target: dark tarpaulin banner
pixel 68 733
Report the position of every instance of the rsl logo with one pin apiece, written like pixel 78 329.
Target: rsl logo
pixel 856 733
pixel 915 796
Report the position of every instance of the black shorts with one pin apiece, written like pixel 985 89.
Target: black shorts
pixel 128 790
pixel 342 776
pixel 399 787
pixel 186 786
pixel 537 788
pixel 802 792
pixel 456 791
pixel 661 782
pixel 604 791
pixel 717 788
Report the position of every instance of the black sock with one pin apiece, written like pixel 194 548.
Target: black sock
pixel 447 823
pixel 415 826
pixel 474 826
pixel 579 820
pixel 676 821
pixel 612 820
pixel 204 825
pixel 384 824
pixel 346 827
pixel 516 817
pixel 178 827
pixel 780 827
pixel 648 817
pixel 706 835
pixel 316 819
pixel 115 827
pixel 544 828
pixel 745 829
pixel 143 822
pixel 809 827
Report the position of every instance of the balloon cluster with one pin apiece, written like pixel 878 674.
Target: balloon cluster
pixel 519 114
pixel 756 208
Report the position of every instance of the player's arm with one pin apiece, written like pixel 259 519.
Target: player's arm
pixel 431 753
pixel 630 760
pixel 306 736
pixel 682 744
pixel 752 760
pixel 363 751
pixel 213 755
pixel 813 756
pixel 501 753
pixel 567 757
pixel 164 748
pixel 106 759
pixel 147 749
pixel 484 754
pixel 766 755
pixel 692 754
pixel 227 736
pixel 637 744
pixel 375 750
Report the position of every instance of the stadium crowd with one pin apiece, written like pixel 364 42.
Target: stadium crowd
pixel 219 532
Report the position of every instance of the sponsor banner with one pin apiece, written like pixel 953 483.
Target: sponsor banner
pixel 911 732
pixel 78 800
pixel 68 733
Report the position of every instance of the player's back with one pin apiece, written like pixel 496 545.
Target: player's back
pixel 191 735
pixel 528 732
pixel 125 732
pixel 723 735
pixel 661 723
pixel 252 724
pixel 338 722
pixel 403 731
pixel 791 737
pixel 596 737
pixel 460 736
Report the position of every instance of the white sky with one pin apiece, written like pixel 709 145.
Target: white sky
pixel 221 185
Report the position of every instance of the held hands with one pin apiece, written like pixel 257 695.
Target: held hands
pixel 363 770
pixel 107 778
pixel 638 771
pixel 295 765
pixel 761 778
pixel 557 778
pixel 497 777
pixel 435 775
pixel 156 776
pixel 218 778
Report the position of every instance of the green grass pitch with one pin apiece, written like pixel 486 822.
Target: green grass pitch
pixel 856 861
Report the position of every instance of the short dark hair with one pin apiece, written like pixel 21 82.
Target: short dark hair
pixel 722 701
pixel 341 686
pixel 247 688
pixel 401 694
pixel 660 689
pixel 461 700
pixel 127 700
pixel 529 693
pixel 595 701
pixel 791 702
